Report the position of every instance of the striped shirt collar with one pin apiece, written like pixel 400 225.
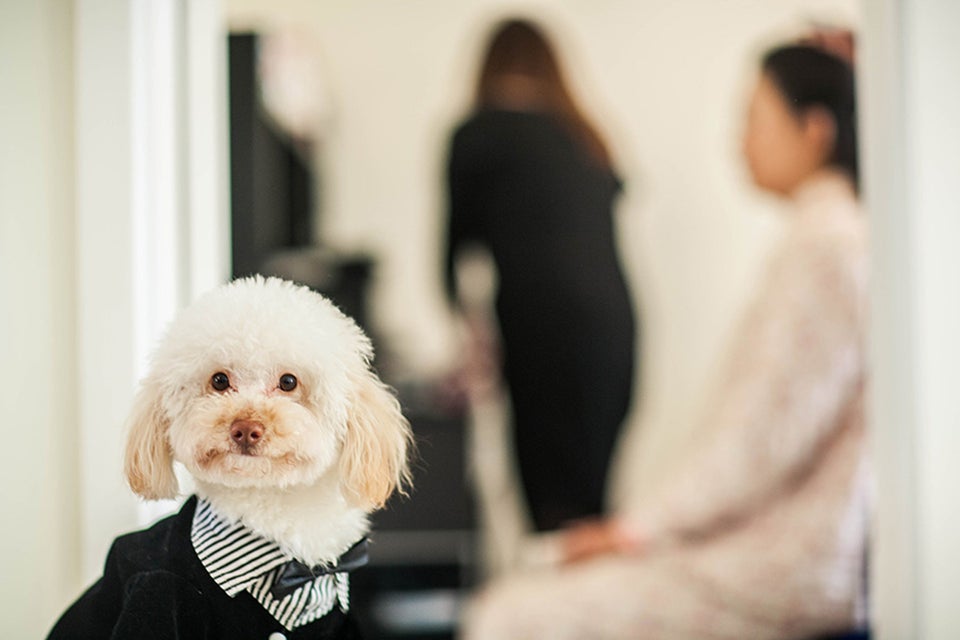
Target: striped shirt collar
pixel 239 559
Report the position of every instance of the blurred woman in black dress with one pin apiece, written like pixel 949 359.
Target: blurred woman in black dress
pixel 531 180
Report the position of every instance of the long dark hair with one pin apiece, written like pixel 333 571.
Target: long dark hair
pixel 810 77
pixel 519 47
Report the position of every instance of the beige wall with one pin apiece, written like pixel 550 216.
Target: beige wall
pixel 38 493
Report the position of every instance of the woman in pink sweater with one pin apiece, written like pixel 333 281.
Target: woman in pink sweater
pixel 761 532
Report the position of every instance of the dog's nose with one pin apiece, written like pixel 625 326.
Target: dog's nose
pixel 246 433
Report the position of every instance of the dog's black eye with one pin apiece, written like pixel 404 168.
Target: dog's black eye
pixel 219 381
pixel 288 382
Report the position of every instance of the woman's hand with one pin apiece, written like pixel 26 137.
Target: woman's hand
pixel 476 376
pixel 594 538
pixel 480 374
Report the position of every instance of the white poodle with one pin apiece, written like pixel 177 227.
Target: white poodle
pixel 263 390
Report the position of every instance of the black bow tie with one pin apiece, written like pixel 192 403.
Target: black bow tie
pixel 295 574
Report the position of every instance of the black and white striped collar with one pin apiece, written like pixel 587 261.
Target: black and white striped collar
pixel 239 559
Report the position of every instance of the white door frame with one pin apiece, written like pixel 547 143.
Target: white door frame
pixel 152 225
pixel 910 104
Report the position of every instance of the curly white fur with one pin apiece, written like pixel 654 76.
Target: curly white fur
pixel 332 449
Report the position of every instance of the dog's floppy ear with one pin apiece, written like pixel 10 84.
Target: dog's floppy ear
pixel 374 462
pixel 148 462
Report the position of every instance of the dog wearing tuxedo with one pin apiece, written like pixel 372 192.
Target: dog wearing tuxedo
pixel 263 390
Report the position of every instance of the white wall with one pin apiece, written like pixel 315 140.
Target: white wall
pixel 38 402
pixel 663 79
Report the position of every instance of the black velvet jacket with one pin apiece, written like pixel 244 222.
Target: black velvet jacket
pixel 155 588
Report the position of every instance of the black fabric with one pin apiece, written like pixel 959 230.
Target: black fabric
pixel 521 186
pixel 154 587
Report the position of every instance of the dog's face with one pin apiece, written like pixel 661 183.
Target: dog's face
pixel 263 383
pixel 245 420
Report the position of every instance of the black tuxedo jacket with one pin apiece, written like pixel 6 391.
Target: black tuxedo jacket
pixel 155 588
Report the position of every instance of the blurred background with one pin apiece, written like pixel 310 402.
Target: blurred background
pixel 151 150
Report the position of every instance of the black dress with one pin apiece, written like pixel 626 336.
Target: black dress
pixel 520 185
